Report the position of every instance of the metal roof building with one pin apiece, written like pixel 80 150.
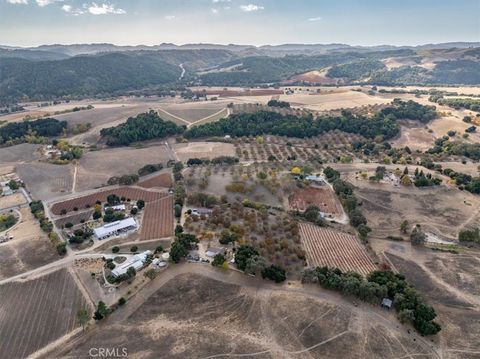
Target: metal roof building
pixel 115 228
pixel 137 261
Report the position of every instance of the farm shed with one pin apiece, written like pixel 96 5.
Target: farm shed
pixel 213 251
pixel 316 179
pixel 387 303
pixel 117 208
pixel 137 261
pixel 115 228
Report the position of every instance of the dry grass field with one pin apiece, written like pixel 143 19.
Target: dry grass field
pixel 24 152
pixel 162 180
pixel 158 219
pixel 327 247
pixel 251 321
pixel 15 199
pixel 45 180
pixel 89 200
pixel 322 197
pixel 38 312
pixel 98 166
pixel 184 151
pixel 191 112
pixel 30 247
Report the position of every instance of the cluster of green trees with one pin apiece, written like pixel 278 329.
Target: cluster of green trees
pixel 112 216
pixel 7 221
pixel 145 126
pixel 38 211
pixel 17 132
pixel 150 168
pixel 183 243
pixel 344 191
pixel 469 236
pixel 202 200
pixel 409 304
pixel 277 103
pixel 80 235
pixel 382 124
pixel 248 259
pixel 221 160
pixel 464 181
pixel 126 180
pixel 422 180
pixel 457 148
pixel 457 103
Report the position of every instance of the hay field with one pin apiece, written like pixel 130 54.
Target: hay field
pixel 30 247
pixel 45 180
pixel 327 247
pixel 97 167
pixel 193 111
pixel 38 312
pixel 184 151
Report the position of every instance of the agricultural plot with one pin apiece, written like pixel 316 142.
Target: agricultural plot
pixel 89 200
pixel 322 197
pixel 24 152
pixel 157 219
pixel 98 166
pixel 184 151
pixel 326 247
pixel 161 180
pixel 74 219
pixel 328 147
pixel 15 199
pixel 38 312
pixel 45 180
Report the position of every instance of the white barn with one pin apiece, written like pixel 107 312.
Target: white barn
pixel 115 228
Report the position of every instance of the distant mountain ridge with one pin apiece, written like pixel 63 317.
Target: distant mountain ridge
pixel 266 50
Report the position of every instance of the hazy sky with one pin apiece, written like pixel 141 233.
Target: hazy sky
pixel 123 22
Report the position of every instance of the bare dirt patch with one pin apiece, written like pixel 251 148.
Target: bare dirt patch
pixel 160 180
pixel 322 197
pixel 15 199
pixel 184 151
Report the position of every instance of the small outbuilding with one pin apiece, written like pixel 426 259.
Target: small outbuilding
pixel 387 303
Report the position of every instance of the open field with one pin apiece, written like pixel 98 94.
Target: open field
pixel 327 247
pixel 24 152
pixel 322 197
pixel 15 199
pixel 98 166
pixel 191 112
pixel 37 312
pixel 157 180
pixel 250 321
pixel 89 200
pixel 30 247
pixel 45 180
pixel 158 219
pixel 184 151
